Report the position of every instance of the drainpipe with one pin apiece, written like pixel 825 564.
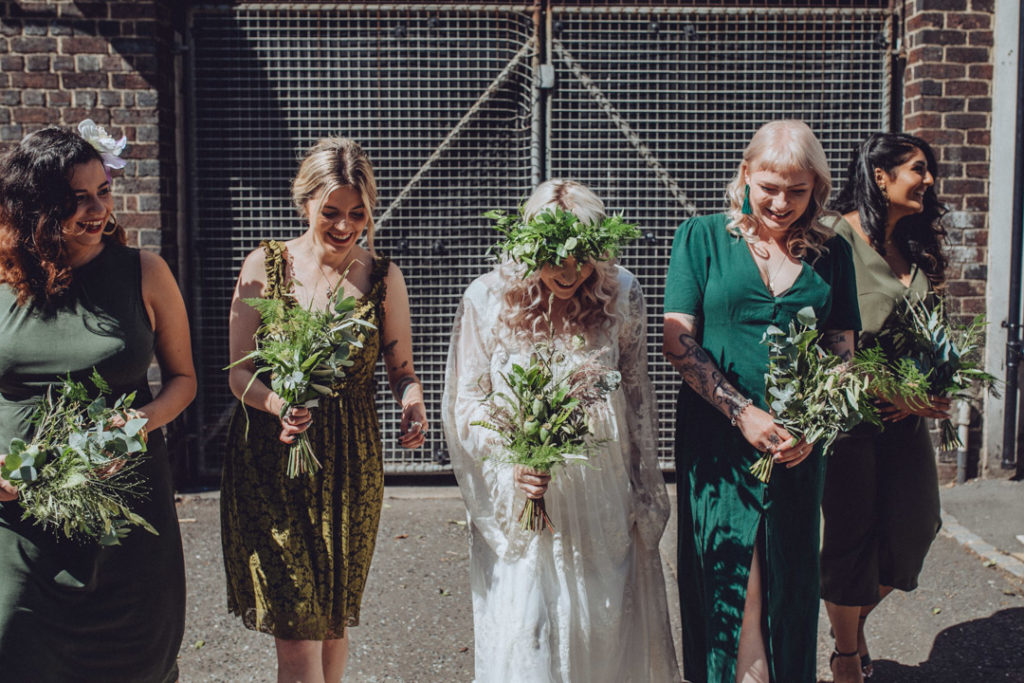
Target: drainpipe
pixel 1012 324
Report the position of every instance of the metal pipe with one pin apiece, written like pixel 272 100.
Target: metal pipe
pixel 963 431
pixel 1012 324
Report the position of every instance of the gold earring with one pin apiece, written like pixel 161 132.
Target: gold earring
pixel 885 195
pixel 111 226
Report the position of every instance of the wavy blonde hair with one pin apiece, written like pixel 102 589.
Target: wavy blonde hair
pixel 332 163
pixel 785 146
pixel 525 300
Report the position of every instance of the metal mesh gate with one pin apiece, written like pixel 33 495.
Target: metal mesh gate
pixel 651 108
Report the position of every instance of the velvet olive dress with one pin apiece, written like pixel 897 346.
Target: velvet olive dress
pixel 881 503
pixel 723 509
pixel 78 611
pixel 297 551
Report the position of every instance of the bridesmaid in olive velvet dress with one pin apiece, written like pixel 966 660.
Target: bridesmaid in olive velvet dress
pixel 73 297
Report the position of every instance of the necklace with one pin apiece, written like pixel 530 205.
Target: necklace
pixel 768 272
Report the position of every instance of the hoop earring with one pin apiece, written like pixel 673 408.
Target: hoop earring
pixel 111 227
pixel 746 209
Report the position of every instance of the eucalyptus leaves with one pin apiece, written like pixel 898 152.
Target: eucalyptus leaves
pixel 545 420
pixel 812 393
pixel 925 355
pixel 555 234
pixel 78 474
pixel 305 351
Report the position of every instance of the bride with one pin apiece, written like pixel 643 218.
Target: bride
pixel 586 601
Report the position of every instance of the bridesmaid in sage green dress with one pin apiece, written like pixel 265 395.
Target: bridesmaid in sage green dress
pixel 75 298
pixel 748 552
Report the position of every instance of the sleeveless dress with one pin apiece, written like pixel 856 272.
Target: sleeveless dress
pixel 723 509
pixel 297 551
pixel 79 611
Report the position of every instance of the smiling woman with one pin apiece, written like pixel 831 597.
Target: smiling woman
pixel 70 611
pixel 297 551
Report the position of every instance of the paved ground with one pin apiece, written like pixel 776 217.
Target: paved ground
pixel 964 624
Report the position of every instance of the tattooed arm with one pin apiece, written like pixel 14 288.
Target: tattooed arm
pixel 396 330
pixel 839 342
pixel 704 377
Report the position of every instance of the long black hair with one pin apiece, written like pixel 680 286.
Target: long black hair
pixel 36 199
pixel 917 236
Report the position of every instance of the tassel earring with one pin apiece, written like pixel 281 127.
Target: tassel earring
pixel 111 227
pixel 885 196
pixel 745 209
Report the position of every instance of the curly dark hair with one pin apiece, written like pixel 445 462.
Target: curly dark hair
pixel 917 236
pixel 35 200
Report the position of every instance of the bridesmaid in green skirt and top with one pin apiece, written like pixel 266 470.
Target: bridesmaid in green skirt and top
pixel 74 298
pixel 881 503
pixel 297 551
pixel 748 551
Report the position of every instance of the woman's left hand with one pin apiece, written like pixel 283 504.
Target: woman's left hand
pixel 414 425
pixel 794 455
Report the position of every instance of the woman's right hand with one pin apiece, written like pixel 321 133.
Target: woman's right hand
pixel 762 432
pixel 295 421
pixel 8 491
pixel 533 483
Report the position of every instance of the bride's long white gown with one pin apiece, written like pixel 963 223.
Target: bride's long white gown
pixel 586 603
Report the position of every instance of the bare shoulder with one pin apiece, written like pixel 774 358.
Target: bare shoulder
pixel 394 275
pixel 254 267
pixel 154 268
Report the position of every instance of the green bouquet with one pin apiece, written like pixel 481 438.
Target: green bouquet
pixel 544 420
pixel 812 393
pixel 305 351
pixel 78 473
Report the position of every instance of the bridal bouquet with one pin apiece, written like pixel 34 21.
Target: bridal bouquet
pixel 304 351
pixel 812 393
pixel 545 418
pixel 78 473
pixel 924 352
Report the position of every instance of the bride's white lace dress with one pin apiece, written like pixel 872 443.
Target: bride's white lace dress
pixel 586 603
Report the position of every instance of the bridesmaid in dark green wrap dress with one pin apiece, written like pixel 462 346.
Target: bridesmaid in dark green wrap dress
pixel 73 298
pixel 748 552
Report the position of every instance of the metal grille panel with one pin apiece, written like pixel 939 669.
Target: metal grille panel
pixel 683 90
pixel 652 109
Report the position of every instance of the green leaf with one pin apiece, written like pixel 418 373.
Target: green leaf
pixel 135 425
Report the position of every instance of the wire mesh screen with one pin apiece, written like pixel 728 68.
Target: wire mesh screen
pixel 654 107
pixel 443 92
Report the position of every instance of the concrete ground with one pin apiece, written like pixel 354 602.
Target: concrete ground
pixel 964 624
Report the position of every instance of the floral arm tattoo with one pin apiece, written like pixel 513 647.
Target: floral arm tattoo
pixel 839 342
pixel 700 372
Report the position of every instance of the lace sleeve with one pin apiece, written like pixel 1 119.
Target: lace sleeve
pixel 487 484
pixel 650 497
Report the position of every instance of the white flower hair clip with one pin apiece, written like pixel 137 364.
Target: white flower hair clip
pixel 109 148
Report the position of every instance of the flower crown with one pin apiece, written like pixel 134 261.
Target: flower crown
pixel 555 234
pixel 109 148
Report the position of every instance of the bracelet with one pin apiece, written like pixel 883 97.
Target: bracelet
pixel 742 406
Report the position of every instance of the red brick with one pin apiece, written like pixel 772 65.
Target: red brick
pixel 926 53
pixel 938 37
pixel 926 20
pixel 923 87
pixel 980 104
pixel 72 115
pixel 979 137
pixel 9 63
pixel 974 305
pixel 132 10
pixel 37 63
pixel 964 153
pixel 34 80
pixel 965 288
pixel 76 45
pixel 74 81
pixel 967 20
pixel 58 98
pixel 941 136
pixel 941 104
pixel 33 44
pixel 983 6
pixel 140 220
pixel 980 71
pixel 128 82
pixel 967 55
pixel 979 171
pixel 922 120
pixel 112 63
pixel 948 169
pixel 129 116
pixel 982 38
pixel 976 203
pixel 942 5
pixel 35 115
pixel 957 187
pixel 942 72
pixel 966 121
pixel 92 10
pixel 965 87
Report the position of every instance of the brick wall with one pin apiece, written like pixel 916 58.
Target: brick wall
pixel 948 102
pixel 66 60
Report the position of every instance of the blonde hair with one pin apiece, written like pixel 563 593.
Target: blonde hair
pixel 332 163
pixel 785 146
pixel 525 300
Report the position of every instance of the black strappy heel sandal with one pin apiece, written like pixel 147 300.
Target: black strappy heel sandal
pixel 837 653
